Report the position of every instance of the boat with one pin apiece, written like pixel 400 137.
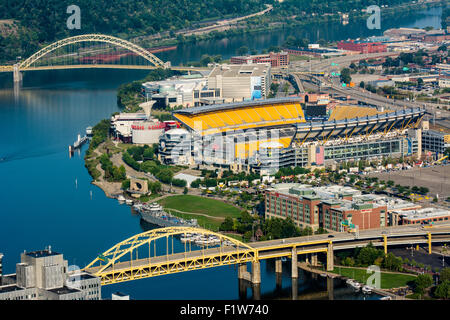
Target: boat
pixel 367 289
pixel 323 275
pixel 129 202
pixel 121 199
pixel 354 284
pixel 154 214
pixel 386 298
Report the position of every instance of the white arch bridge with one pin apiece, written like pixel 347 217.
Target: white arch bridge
pixel 33 62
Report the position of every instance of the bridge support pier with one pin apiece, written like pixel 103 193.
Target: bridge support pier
pixel 294 263
pixel 429 243
pixel 278 266
pixel 330 288
pixel 256 289
pixel 243 274
pixel 279 281
pixel 254 277
pixel 17 76
pixel 294 288
pixel 330 257
pixel 314 260
pixel 242 289
pixel 385 243
pixel 256 272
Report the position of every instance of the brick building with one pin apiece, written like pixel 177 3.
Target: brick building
pixel 275 59
pixel 362 47
pixel 328 207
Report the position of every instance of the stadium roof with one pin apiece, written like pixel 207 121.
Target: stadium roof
pixel 243 115
pixel 235 105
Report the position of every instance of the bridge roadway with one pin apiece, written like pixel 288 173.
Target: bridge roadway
pixel 218 256
pixel 101 66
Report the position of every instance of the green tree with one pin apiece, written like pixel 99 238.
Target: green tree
pixel 422 282
pixel 445 274
pixel 227 224
pixel 247 236
pixel 345 75
pixel 443 290
pixel 368 255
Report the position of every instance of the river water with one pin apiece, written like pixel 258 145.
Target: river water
pixel 46 198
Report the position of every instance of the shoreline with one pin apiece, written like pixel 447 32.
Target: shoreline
pixel 382 292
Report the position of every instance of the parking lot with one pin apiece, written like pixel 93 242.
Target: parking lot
pixel 435 178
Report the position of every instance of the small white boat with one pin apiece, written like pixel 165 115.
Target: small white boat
pixel 386 298
pixel 355 285
pixel 129 201
pixel 324 275
pixel 367 289
pixel 121 199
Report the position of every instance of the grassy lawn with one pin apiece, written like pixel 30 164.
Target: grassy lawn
pixel 203 221
pixel 388 280
pixel 196 204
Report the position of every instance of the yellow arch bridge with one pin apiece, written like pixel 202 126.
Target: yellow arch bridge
pixel 33 62
pixel 153 253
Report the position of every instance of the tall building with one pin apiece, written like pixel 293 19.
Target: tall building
pixel 44 275
pixel 241 82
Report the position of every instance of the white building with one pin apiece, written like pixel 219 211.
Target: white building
pixel 186 91
pixel 444 82
pixel 241 82
pixel 45 275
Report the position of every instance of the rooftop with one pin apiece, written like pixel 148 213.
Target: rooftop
pixel 235 105
pixel 124 116
pixel 42 253
pixel 425 213
pixel 240 70
pixel 10 288
pixel 82 276
pixel 64 290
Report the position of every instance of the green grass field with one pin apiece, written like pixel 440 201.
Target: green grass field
pixel 195 204
pixel 204 222
pixel 388 280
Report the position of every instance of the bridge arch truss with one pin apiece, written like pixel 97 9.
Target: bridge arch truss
pixel 111 268
pixel 92 38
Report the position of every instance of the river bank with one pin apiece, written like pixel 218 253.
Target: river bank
pixel 290 23
pixel 386 292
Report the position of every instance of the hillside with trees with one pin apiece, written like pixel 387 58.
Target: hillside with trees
pixel 40 22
